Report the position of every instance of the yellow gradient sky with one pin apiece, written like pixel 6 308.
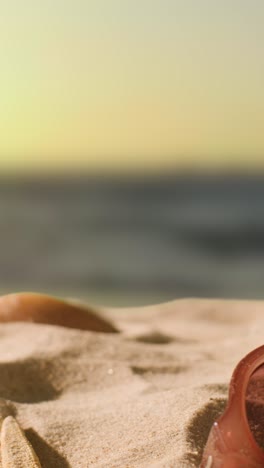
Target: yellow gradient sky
pixel 131 84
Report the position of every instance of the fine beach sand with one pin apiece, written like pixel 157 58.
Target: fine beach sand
pixel 144 397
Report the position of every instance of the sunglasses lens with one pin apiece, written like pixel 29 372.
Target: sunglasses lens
pixel 255 405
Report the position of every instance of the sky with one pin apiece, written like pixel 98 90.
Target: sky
pixel 131 84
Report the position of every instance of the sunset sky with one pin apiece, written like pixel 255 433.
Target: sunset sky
pixel 102 84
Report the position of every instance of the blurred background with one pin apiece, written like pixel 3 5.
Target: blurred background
pixel 132 149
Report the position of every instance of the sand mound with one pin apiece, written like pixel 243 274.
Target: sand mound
pixel 146 397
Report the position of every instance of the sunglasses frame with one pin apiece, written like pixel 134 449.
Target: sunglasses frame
pixel 231 443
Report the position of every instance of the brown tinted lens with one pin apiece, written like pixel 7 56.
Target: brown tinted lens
pixel 255 405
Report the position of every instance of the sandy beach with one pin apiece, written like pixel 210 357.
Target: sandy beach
pixel 144 397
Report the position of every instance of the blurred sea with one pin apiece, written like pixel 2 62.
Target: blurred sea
pixel 133 240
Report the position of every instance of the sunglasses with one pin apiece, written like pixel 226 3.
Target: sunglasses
pixel 236 439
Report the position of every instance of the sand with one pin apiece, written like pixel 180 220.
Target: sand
pixel 144 397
